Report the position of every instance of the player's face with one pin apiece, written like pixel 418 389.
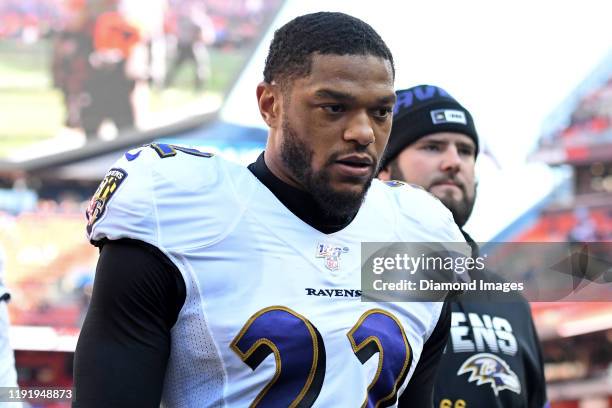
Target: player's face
pixel 443 163
pixel 335 125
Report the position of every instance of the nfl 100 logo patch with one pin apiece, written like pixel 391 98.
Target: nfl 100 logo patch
pixel 331 253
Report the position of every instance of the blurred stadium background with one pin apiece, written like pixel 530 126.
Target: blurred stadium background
pixel 62 59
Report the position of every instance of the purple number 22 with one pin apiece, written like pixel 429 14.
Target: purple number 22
pixel 299 354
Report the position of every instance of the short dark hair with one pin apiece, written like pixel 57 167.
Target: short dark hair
pixel 290 53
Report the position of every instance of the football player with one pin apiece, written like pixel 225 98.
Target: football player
pixel 493 356
pixel 221 285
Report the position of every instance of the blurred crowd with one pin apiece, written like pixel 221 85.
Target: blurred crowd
pixel 593 114
pixel 28 20
pixel 50 279
pixel 577 357
pixel 592 118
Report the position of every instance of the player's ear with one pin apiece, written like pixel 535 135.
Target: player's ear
pixel 385 173
pixel 268 99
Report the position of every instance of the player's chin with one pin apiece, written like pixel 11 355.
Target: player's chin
pixel 351 186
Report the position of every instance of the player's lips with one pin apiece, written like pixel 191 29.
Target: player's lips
pixel 354 165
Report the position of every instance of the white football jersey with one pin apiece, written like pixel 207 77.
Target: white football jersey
pixel 272 314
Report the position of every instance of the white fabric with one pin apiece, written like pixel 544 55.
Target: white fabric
pixel 240 251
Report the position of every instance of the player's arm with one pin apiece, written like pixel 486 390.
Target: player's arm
pixel 124 345
pixel 419 391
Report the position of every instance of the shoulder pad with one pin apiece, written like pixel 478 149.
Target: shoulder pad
pixel 167 195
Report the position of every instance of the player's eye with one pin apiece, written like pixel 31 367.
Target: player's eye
pixel 334 109
pixel 383 112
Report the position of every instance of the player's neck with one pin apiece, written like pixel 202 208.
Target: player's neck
pixel 299 202
pixel 274 164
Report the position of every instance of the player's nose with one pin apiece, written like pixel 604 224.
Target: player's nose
pixel 360 129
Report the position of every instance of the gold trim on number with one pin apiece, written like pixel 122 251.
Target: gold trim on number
pixel 358 347
pixel 269 343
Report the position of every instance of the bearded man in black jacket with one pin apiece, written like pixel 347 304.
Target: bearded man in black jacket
pixel 493 357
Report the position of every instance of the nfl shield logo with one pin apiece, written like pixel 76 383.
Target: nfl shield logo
pixel 331 253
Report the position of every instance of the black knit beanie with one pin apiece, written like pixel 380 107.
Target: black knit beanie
pixel 421 111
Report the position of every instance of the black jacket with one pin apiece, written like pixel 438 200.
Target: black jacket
pixel 493 357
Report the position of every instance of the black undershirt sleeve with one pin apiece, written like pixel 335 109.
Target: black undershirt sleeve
pixel 124 345
pixel 419 392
